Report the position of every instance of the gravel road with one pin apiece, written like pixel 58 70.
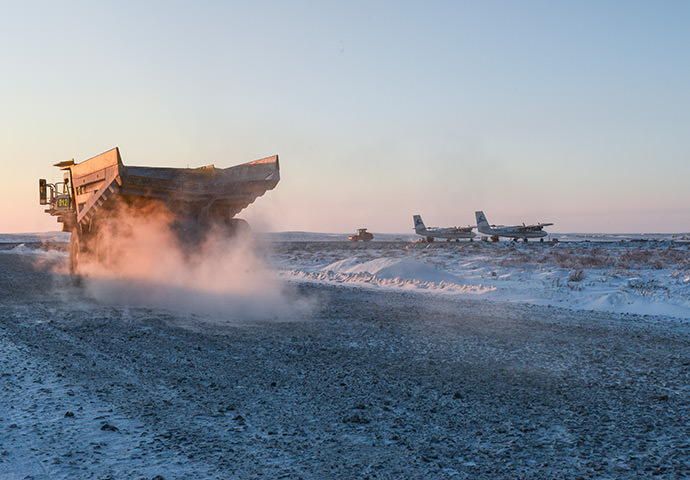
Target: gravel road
pixel 373 384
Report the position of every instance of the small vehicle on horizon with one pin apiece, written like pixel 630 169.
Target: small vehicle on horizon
pixel 362 235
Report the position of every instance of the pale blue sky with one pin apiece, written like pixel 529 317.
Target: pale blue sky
pixel 571 112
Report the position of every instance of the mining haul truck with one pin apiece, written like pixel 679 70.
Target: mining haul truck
pixel 196 197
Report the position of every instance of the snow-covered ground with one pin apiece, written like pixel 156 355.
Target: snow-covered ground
pixel 644 274
pixel 33 238
pixel 640 274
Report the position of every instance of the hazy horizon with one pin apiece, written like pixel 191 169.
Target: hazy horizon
pixel 410 233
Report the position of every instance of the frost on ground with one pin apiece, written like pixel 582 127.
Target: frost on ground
pixel 374 383
pixel 646 278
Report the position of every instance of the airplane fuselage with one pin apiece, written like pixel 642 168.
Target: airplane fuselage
pixel 517 232
pixel 512 232
pixel 450 233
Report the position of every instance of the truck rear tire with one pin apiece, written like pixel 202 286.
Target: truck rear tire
pixel 81 246
pixel 74 254
pixel 238 227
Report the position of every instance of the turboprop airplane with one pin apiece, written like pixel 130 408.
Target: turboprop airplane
pixel 450 233
pixel 515 232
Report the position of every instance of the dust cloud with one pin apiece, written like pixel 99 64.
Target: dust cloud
pixel 142 256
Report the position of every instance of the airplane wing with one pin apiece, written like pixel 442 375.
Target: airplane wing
pixel 533 228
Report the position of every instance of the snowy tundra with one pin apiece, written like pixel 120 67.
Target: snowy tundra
pixel 387 360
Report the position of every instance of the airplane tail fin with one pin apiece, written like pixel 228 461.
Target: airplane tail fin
pixel 419 226
pixel 482 223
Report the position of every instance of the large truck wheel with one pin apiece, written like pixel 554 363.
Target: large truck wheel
pixel 75 246
pixel 238 227
pixel 80 251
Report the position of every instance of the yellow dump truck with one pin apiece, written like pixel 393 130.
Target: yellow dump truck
pixel 196 197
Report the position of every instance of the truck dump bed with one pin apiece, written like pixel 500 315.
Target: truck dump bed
pixel 213 192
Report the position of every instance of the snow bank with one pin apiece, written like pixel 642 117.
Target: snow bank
pixel 394 268
pixel 39 252
pixel 395 273
pixel 626 276
pixel 34 237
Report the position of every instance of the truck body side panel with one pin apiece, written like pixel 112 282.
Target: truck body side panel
pixel 214 192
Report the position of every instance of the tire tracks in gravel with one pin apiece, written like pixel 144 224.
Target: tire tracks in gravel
pixel 379 384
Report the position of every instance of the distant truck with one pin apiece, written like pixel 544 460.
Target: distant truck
pixel 198 198
pixel 362 235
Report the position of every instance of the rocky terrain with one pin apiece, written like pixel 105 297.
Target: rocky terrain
pixel 372 384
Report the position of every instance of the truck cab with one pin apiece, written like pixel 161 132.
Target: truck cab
pixel 58 197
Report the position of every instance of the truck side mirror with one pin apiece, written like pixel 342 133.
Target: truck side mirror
pixel 42 191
